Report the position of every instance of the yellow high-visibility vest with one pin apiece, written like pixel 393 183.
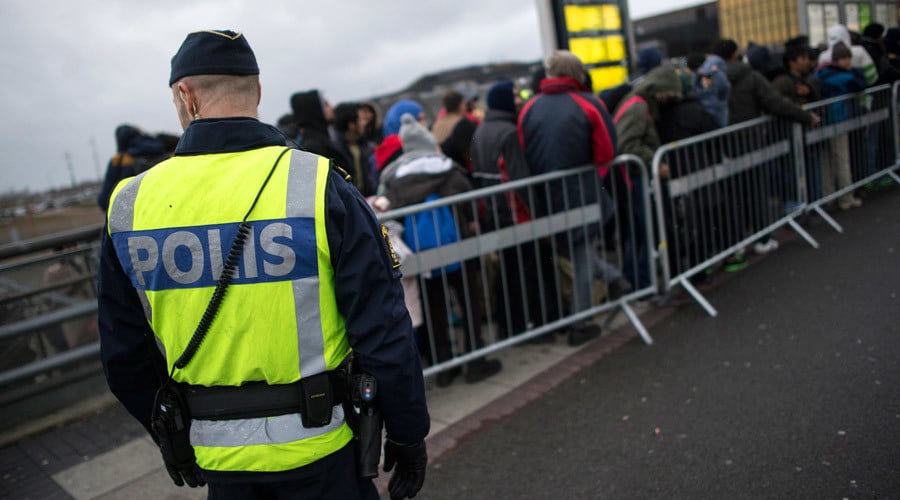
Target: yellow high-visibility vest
pixel 172 228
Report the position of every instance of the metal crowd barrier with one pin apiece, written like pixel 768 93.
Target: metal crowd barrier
pixel 727 189
pixel 734 186
pixel 505 282
pixel 855 145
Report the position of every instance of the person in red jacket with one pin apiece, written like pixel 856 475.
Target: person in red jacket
pixel 566 127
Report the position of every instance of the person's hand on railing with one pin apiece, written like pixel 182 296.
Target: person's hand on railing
pixel 815 120
pixel 663 170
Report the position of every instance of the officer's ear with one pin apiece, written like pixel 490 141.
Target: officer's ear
pixel 187 97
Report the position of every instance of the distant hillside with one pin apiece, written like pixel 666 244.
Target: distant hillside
pixel 430 88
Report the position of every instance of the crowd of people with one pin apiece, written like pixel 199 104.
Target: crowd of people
pixel 400 158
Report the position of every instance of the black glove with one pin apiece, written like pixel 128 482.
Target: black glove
pixel 189 474
pixel 411 460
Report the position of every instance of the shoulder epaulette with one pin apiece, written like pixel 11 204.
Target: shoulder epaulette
pixel 343 173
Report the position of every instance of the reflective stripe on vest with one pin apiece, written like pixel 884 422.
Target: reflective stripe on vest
pixel 121 215
pixel 284 283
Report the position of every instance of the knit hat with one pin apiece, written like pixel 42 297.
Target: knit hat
pixel 759 57
pixel 840 51
pixel 500 97
pixel 648 58
pixel 392 118
pixel 213 52
pixel 414 136
pixel 892 41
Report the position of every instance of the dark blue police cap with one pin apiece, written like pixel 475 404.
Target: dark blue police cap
pixel 213 52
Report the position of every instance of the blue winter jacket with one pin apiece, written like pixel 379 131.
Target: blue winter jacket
pixel 837 82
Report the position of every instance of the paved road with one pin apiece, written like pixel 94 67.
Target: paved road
pixel 793 391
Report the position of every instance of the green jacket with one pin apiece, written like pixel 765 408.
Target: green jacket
pixel 636 119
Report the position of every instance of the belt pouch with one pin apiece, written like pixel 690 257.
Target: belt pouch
pixel 317 400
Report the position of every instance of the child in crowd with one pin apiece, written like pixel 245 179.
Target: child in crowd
pixel 839 78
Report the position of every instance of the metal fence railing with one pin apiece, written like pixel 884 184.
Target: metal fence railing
pixel 856 144
pixel 733 187
pixel 519 278
pixel 502 281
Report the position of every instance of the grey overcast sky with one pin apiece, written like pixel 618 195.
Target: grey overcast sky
pixel 77 69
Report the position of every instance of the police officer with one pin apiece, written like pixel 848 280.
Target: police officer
pixel 234 281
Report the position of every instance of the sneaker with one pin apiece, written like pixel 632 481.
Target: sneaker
pixel 853 202
pixel 735 263
pixel 764 247
pixel 445 378
pixel 583 333
pixel 482 368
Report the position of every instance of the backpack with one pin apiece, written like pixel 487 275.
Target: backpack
pixel 431 229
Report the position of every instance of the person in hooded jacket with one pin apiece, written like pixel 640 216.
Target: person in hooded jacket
pixel 136 151
pixel 699 212
pixel 390 148
pixel 860 59
pixel 636 121
pixel 312 115
pixel 838 78
pixel 420 172
pixel 713 90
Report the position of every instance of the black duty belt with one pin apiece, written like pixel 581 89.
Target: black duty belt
pixel 253 399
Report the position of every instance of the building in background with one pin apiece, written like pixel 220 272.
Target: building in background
pixel 679 32
pixel 771 22
pixel 764 22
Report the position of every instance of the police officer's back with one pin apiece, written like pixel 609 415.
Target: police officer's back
pixel 235 280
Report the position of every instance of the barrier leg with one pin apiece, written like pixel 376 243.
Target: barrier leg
pixel 686 284
pixel 802 232
pixel 831 222
pixel 633 318
pixel 894 176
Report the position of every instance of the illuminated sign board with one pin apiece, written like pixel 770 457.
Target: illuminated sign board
pixel 596 32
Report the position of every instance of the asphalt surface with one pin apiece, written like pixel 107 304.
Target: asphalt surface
pixel 793 391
